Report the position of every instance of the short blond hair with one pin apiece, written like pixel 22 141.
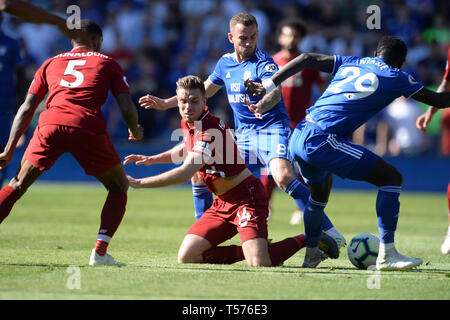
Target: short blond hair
pixel 244 18
pixel 191 82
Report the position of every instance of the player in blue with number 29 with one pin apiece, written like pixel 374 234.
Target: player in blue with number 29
pixel 361 87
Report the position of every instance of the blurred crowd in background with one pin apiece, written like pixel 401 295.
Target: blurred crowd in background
pixel 158 41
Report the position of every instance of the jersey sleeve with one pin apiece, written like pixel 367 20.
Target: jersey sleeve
pixel 119 82
pixel 340 60
pixel 39 86
pixel 447 67
pixel 216 76
pixel 407 85
pixel 266 69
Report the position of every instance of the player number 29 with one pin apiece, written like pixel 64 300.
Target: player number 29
pixel 353 73
pixel 70 70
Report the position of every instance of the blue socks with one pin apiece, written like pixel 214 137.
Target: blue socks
pixel 203 199
pixel 301 193
pixel 388 208
pixel 313 218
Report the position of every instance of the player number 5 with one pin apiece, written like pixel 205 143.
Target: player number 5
pixel 70 70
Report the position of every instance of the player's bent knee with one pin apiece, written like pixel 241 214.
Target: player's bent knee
pixel 393 177
pixel 256 252
pixel 282 176
pixel 192 248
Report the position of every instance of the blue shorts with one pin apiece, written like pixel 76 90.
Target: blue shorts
pixel 320 154
pixel 258 147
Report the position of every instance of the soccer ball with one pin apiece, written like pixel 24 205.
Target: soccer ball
pixel 363 250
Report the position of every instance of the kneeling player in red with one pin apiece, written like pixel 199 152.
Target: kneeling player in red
pixel 241 205
pixel 77 83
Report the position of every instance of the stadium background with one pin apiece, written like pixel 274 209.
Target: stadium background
pixel 158 41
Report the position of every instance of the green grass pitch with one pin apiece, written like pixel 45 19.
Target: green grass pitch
pixel 53 228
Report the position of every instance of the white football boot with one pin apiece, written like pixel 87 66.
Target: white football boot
pixel 445 248
pixel 106 260
pixel 392 261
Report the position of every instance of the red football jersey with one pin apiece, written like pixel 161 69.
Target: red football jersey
pixel 296 90
pixel 212 137
pixel 77 83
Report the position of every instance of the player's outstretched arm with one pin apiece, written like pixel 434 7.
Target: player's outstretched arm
pixel 31 13
pixel 424 120
pixel 151 102
pixel 130 116
pixel 316 61
pixel 182 174
pixel 174 155
pixel 20 124
pixel 439 100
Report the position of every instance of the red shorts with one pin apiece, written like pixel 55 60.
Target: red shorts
pixel 93 151
pixel 243 209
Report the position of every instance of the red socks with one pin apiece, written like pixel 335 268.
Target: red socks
pixel 223 255
pixel 283 250
pixel 8 196
pixel 110 219
pixel 278 251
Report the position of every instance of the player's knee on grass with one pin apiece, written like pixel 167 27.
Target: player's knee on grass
pixel 256 252
pixel 192 248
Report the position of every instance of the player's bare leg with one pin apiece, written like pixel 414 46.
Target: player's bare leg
pixel 116 183
pixel 192 249
pixel 256 252
pixel 26 175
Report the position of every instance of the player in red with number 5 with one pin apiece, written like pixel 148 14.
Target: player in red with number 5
pixel 241 205
pixel 77 83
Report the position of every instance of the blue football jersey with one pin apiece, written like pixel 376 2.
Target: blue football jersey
pixel 231 74
pixel 360 88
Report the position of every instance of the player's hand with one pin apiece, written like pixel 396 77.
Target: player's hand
pixel 5 159
pixel 254 108
pixel 254 88
pixel 152 102
pixel 134 183
pixel 139 159
pixel 423 121
pixel 138 135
